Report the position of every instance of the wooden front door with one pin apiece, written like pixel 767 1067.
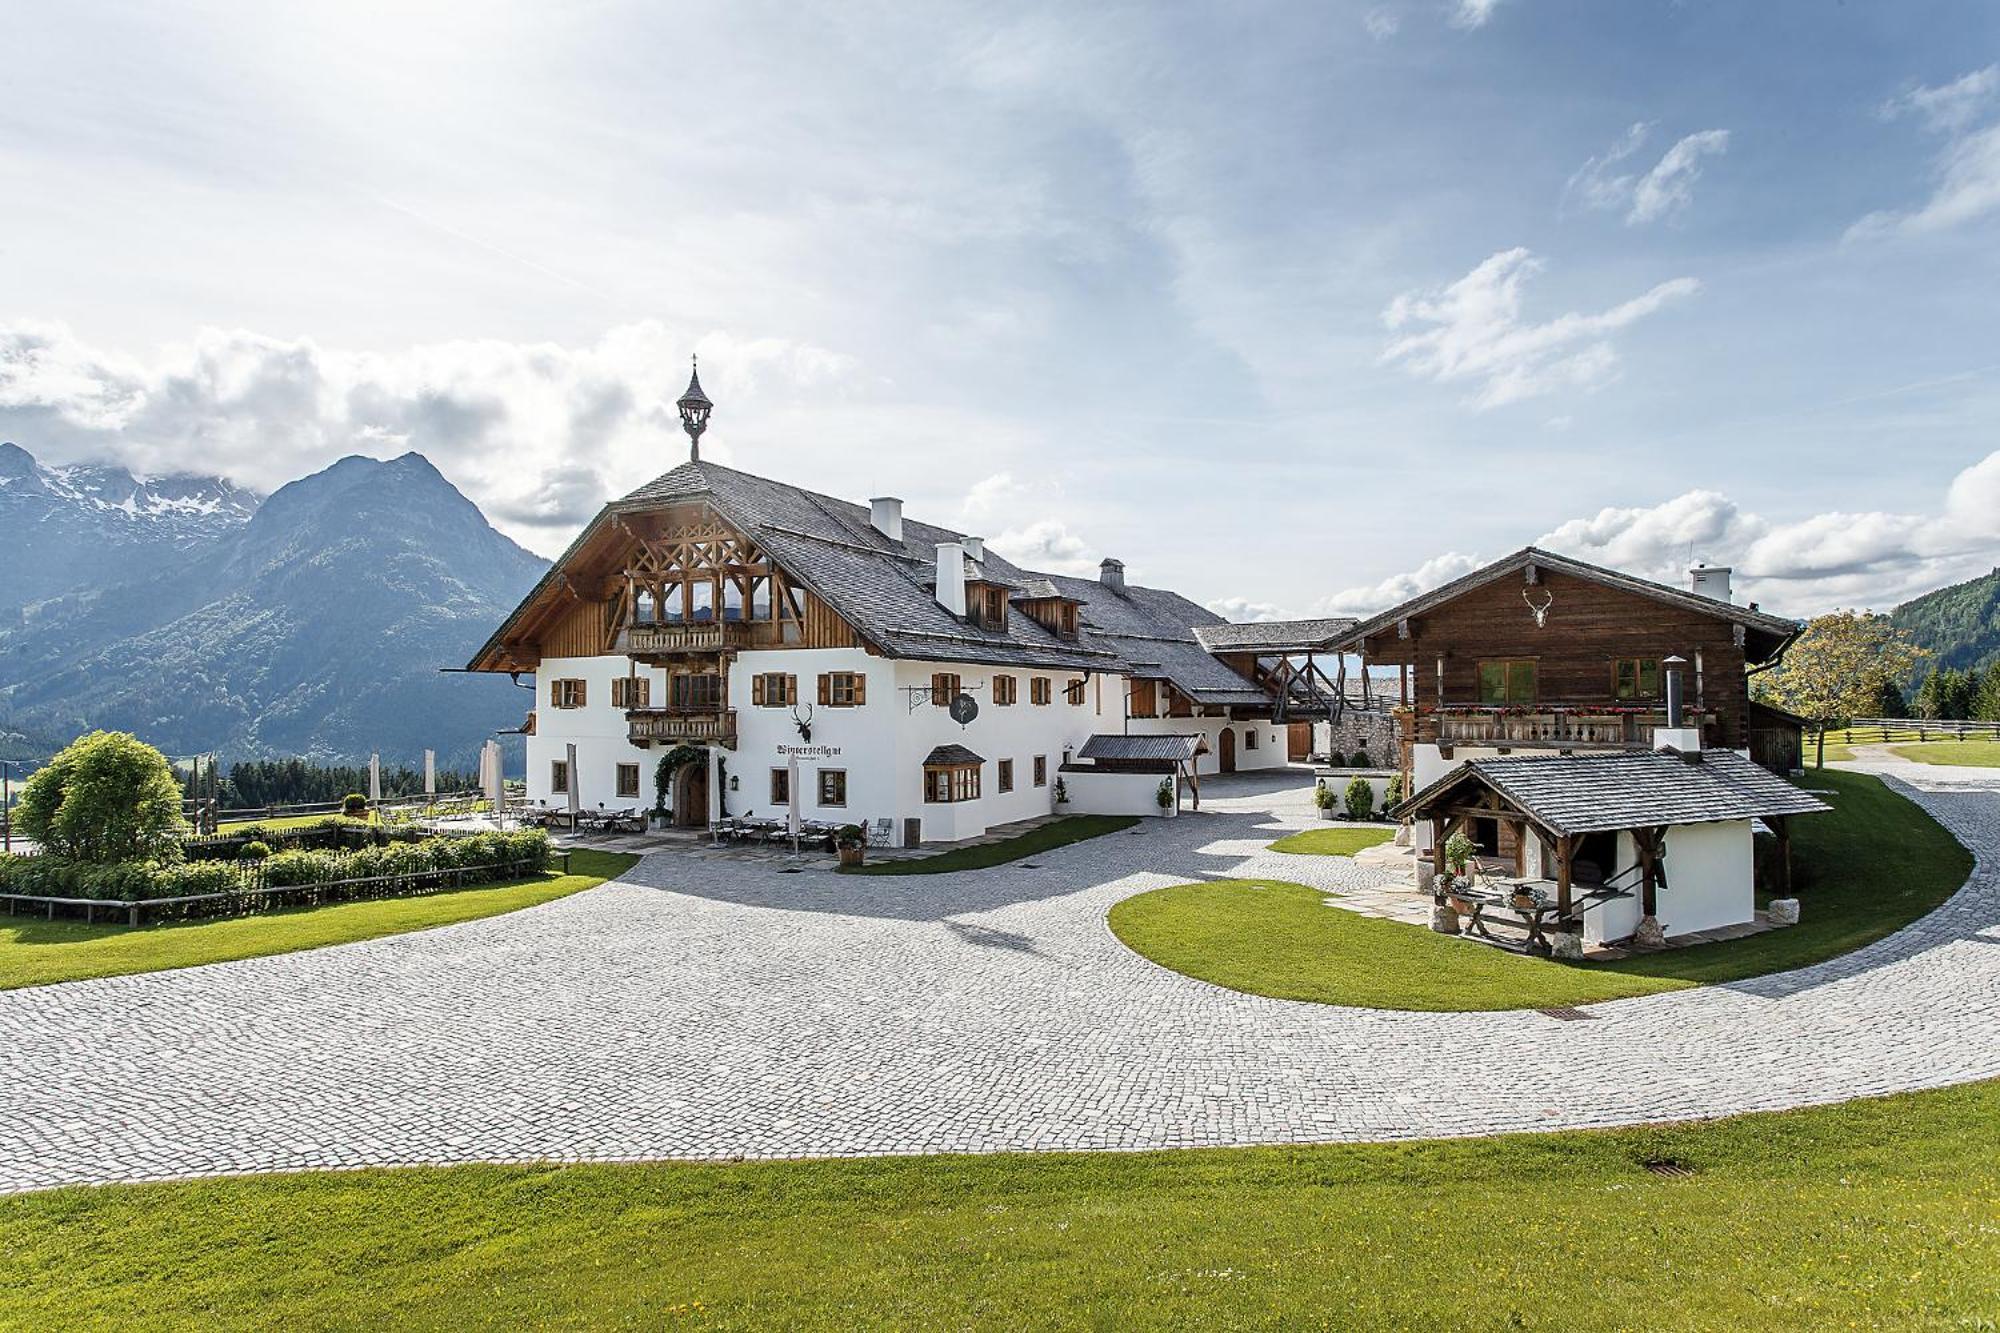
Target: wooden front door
pixel 1298 740
pixel 691 796
pixel 1226 755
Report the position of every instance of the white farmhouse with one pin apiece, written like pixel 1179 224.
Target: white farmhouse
pixel 734 624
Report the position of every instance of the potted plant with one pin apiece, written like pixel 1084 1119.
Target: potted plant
pixel 354 805
pixel 1458 853
pixel 1061 792
pixel 1323 798
pixel 851 842
pixel 1164 797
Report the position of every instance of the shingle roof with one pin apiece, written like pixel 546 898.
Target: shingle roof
pixel 1275 636
pixel 951 756
pixel 1634 789
pixel 884 589
pixel 1174 746
pixel 1530 555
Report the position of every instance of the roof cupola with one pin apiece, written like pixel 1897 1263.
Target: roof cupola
pixel 695 407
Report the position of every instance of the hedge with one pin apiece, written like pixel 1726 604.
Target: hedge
pixel 405 865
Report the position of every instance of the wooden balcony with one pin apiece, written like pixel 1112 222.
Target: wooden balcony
pixel 692 639
pixel 676 725
pixel 1564 726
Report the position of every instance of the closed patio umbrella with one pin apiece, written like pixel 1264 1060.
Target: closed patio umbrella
pixel 792 806
pixel 430 772
pixel 491 774
pixel 374 778
pixel 575 797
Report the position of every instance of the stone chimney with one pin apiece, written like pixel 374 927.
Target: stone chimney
pixel 1711 581
pixel 1112 575
pixel 885 512
pixel 951 577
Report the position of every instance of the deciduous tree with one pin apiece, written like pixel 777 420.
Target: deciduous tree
pixel 1838 668
pixel 106 797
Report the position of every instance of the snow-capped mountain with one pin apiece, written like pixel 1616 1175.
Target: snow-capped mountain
pixel 63 529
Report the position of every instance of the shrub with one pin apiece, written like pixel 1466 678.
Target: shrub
pixel 1360 798
pixel 253 850
pixel 196 877
pixel 1392 792
pixel 1164 797
pixel 301 867
pixel 1323 796
pixel 1334 760
pixel 1359 759
pixel 354 805
pixel 107 797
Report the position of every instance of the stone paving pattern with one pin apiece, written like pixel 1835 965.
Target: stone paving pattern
pixel 712 1010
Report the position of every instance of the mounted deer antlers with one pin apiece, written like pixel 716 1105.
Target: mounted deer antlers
pixel 804 724
pixel 1541 612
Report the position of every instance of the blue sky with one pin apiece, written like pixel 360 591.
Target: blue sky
pixel 1294 308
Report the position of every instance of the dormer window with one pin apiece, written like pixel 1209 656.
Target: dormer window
pixel 986 604
pixel 1057 615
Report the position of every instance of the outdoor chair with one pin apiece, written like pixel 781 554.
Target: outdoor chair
pixel 878 833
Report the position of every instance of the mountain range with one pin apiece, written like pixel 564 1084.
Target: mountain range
pixel 203 617
pixel 1959 624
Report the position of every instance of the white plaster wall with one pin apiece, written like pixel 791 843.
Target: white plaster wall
pixel 881 744
pixel 1338 778
pixel 1618 918
pixel 1711 877
pixel 1114 793
pixel 1270 751
pixel 1426 767
pixel 597 729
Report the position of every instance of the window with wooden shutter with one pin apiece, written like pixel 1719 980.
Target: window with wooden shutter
pixel 775 689
pixel 1003 690
pixel 628 779
pixel 1074 693
pixel 566 692
pixel 1039 690
pixel 944 688
pixel 833 786
pixel 631 692
pixel 843 689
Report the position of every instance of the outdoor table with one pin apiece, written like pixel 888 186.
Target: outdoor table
pixel 1531 917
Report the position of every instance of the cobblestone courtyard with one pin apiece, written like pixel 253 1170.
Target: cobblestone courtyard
pixel 702 1009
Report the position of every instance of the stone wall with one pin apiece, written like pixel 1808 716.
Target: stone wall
pixel 1373 732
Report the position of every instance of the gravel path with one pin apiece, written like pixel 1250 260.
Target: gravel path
pixel 713 1010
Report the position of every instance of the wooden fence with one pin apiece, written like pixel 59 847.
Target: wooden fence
pixel 1899 730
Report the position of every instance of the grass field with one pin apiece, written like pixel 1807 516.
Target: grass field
pixel 37 953
pixel 1058 833
pixel 288 822
pixel 1874 864
pixel 1956 754
pixel 1871 1214
pixel 1338 840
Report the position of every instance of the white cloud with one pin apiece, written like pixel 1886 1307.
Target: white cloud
pixel 1473 13
pixel 1664 191
pixel 1472 331
pixel 1669 186
pixel 534 433
pixel 1797 567
pixel 1243 611
pixel 1046 545
pixel 1381 23
pixel 1949 107
pixel 1966 169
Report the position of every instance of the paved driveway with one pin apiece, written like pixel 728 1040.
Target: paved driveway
pixel 707 1010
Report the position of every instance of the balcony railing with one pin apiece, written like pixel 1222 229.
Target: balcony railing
pixel 1551 725
pixel 713 636
pixel 710 727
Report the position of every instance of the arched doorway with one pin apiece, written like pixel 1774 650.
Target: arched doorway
pixel 1226 755
pixel 691 795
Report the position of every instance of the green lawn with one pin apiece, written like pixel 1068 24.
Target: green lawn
pixel 289 821
pixel 1874 1213
pixel 1337 840
pixel 1957 754
pixel 1059 833
pixel 1874 864
pixel 37 953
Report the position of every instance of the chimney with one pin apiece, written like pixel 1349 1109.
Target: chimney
pixel 1112 575
pixel 1711 581
pixel 976 548
pixel 951 577
pixel 886 514
pixel 1677 735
